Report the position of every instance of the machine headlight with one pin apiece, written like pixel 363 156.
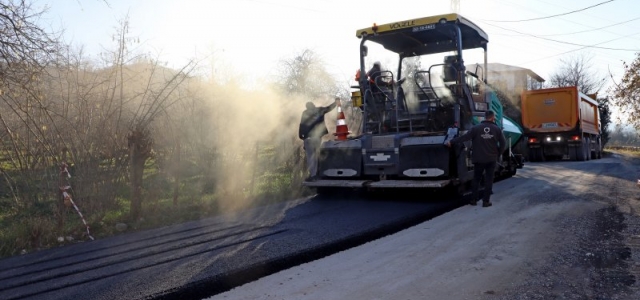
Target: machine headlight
pixel 558 138
pixel 548 139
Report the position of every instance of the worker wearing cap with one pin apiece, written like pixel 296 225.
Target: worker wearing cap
pixel 488 144
pixel 312 129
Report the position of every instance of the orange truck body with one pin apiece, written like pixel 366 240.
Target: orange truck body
pixel 558 110
pixel 561 123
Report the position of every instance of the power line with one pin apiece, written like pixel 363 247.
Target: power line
pixel 578 49
pixel 553 16
pixel 567 20
pixel 576 32
pixel 589 30
pixel 569 43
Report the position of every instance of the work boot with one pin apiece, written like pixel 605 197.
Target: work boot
pixel 486 204
pixel 473 202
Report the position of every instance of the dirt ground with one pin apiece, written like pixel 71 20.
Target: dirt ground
pixel 557 230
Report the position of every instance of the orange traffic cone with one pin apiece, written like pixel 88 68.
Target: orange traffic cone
pixel 341 125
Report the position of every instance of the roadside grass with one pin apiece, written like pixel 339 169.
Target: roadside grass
pixel 630 151
pixel 33 228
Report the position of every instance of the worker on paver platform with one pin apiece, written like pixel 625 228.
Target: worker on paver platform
pixel 488 144
pixel 312 129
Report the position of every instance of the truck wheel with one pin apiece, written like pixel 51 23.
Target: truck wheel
pixel 572 154
pixel 581 152
pixel 588 148
pixel 532 155
pixel 535 155
pixel 512 170
pixel 594 151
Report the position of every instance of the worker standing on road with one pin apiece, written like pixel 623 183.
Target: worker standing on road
pixel 312 129
pixel 488 144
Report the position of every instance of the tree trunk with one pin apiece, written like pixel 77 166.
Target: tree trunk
pixel 139 152
pixel 176 174
pixel 135 178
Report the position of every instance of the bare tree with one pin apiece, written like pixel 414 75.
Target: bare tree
pixel 25 47
pixel 576 71
pixel 627 92
pixel 26 50
pixel 305 75
pixel 143 90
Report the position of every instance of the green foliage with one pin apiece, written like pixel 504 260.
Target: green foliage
pixel 605 119
pixel 277 177
pixel 34 227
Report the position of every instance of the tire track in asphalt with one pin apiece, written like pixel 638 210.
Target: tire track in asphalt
pixel 51 281
pixel 78 258
pixel 193 260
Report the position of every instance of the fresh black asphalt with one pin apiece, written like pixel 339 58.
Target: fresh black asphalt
pixel 207 257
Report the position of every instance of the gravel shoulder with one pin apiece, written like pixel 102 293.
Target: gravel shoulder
pixel 557 230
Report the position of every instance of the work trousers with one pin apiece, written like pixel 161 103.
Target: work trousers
pixel 488 170
pixel 311 147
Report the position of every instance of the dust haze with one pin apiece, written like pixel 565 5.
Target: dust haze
pixel 254 134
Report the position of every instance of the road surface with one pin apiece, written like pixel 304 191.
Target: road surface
pixel 558 230
pixel 203 258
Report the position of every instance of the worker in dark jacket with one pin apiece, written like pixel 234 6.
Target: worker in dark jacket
pixel 378 77
pixel 374 72
pixel 488 144
pixel 312 129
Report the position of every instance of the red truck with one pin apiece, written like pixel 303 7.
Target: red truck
pixel 561 123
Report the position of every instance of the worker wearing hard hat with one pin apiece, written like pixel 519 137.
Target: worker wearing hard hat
pixel 312 129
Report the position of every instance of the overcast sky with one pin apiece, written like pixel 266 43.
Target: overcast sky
pixel 251 36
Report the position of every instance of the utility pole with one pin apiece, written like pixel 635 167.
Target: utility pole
pixel 455 6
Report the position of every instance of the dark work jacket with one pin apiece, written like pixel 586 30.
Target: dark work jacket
pixel 487 141
pixel 373 73
pixel 312 122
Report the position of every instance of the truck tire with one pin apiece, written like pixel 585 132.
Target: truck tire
pixel 587 148
pixel 512 170
pixel 532 155
pixel 573 155
pixel 593 151
pixel 581 152
pixel 536 155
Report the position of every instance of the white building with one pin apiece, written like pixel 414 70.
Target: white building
pixel 512 80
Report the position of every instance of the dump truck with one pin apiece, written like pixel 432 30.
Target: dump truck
pixel 561 123
pixel 409 113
